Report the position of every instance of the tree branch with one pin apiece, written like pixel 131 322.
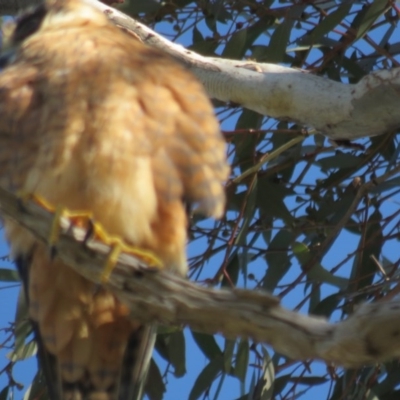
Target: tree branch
pixel 340 111
pixel 368 336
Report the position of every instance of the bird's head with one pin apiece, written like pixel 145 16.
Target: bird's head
pixel 49 16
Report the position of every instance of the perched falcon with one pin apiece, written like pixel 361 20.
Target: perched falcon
pixel 92 119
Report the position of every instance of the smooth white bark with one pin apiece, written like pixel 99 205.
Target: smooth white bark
pixel 340 111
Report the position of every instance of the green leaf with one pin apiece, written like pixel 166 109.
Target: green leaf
pixel 249 210
pixel 177 353
pixel 21 314
pixel 211 23
pixel 235 48
pixel 330 21
pixel 197 36
pixel 155 387
pixel 245 144
pixel 220 12
pixel 201 45
pixel 28 394
pixel 279 40
pixel 271 200
pixel 232 269
pixel 228 354
pixel 365 268
pixel 327 306
pixel 207 345
pixel 256 30
pixel 309 380
pixel 315 294
pixel 278 260
pixel 339 161
pixel 320 274
pixel 391 184
pixel 317 273
pixel 37 390
pixel 391 380
pixel 4 393
pixel 319 140
pixel 280 383
pixel 371 14
pixel 206 377
pixel 23 329
pixel 9 275
pixel 242 360
pixel 141 6
pixel 333 211
pixel 259 53
pixel 23 352
pixel 265 386
pixel 354 68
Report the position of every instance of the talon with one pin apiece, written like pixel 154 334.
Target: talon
pixel 41 201
pixel 57 211
pixel 84 219
pixel 118 246
pixel 112 260
pixel 79 218
pixel 54 234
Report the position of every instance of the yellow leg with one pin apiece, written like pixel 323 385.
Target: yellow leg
pixel 81 218
pixel 84 219
pixel 118 246
pixel 58 212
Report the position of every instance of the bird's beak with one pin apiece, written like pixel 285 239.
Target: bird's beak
pixel 6 58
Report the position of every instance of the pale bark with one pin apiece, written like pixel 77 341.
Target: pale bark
pixel 338 110
pixel 370 335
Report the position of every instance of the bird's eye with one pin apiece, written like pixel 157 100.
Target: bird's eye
pixel 29 23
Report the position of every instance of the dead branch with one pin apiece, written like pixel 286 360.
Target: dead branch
pixel 370 335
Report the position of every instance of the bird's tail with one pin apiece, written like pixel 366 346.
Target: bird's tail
pixel 131 372
pixel 136 363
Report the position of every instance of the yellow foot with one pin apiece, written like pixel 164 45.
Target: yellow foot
pixel 84 219
pixel 118 246
pixel 80 218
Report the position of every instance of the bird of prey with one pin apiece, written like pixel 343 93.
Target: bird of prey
pixel 93 120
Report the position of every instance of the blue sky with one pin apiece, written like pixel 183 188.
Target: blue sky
pixel 196 361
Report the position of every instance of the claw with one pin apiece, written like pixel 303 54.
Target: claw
pixel 112 260
pixel 95 230
pixel 41 201
pixel 118 246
